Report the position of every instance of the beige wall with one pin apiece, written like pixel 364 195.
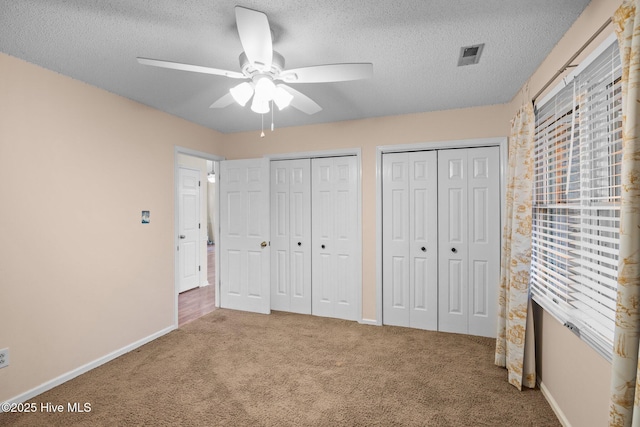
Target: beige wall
pixel 80 276
pixel 574 375
pixel 471 123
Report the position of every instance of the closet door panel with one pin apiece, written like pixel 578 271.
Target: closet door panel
pixel 334 233
pixel 410 239
pixel 395 239
pixel 291 236
pixel 423 247
pixel 484 239
pixel 452 242
pixel 280 283
pixel 346 215
pixel 300 235
pixel 322 202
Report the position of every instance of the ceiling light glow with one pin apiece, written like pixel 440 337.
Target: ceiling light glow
pixel 259 106
pixel 242 93
pixel 265 88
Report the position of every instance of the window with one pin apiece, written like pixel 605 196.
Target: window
pixel 576 199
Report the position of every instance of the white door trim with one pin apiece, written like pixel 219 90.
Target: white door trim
pixel 358 256
pixel 176 210
pixel 422 146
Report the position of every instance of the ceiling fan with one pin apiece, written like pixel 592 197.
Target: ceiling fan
pixel 262 68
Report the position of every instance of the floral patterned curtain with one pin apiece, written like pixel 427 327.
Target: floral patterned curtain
pixel 624 408
pixel 514 337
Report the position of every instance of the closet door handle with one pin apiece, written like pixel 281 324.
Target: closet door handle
pixel 322 246
pixel 454 250
pixel 423 249
pixel 299 243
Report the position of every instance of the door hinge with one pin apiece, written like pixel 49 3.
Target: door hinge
pixel 198 226
pixel 198 183
pixel 177 248
pixel 199 268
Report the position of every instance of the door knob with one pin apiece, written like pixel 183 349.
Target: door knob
pixel 182 236
pixel 454 250
pixel 299 243
pixel 322 246
pixel 263 244
pixel 423 249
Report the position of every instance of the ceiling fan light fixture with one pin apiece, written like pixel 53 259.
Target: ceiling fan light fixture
pixel 282 98
pixel 265 88
pixel 242 93
pixel 259 106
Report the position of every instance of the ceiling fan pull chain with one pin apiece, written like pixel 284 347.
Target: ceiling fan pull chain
pixel 262 133
pixel 271 115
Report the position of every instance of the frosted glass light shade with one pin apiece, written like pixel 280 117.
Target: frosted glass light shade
pixel 259 106
pixel 265 89
pixel 282 98
pixel 242 93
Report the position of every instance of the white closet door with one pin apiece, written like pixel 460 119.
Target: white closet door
pixel 484 239
pixel 453 245
pixel 469 239
pixel 410 261
pixel 423 251
pixel 334 232
pixel 395 239
pixel 244 233
pixel 291 236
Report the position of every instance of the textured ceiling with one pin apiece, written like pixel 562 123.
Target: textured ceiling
pixel 413 44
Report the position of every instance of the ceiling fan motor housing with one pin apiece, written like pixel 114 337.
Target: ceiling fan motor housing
pixel 249 69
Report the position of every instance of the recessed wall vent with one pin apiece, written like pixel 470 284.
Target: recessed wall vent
pixel 470 54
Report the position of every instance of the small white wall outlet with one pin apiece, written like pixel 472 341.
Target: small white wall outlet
pixel 4 358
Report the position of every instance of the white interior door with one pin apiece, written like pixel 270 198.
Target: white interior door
pixel 244 235
pixel 334 233
pixel 188 228
pixel 291 235
pixel 469 239
pixel 410 227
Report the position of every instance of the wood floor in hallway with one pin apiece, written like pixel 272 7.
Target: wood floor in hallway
pixel 197 302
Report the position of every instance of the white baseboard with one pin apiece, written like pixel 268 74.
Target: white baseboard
pixel 369 322
pixel 554 405
pixel 85 368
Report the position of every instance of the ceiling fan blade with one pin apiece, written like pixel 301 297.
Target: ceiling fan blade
pixel 328 73
pixel 301 101
pixel 223 101
pixel 255 36
pixel 193 68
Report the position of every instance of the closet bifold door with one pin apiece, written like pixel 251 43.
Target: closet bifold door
pixel 410 251
pixel 469 240
pixel 334 232
pixel 291 235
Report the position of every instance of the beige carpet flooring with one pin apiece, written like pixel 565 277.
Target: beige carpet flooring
pixel 231 368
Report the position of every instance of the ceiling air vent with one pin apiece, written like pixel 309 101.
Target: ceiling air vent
pixel 470 54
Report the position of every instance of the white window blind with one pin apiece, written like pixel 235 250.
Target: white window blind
pixel 576 202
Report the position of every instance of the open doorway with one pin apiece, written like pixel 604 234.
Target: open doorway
pixel 196 209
